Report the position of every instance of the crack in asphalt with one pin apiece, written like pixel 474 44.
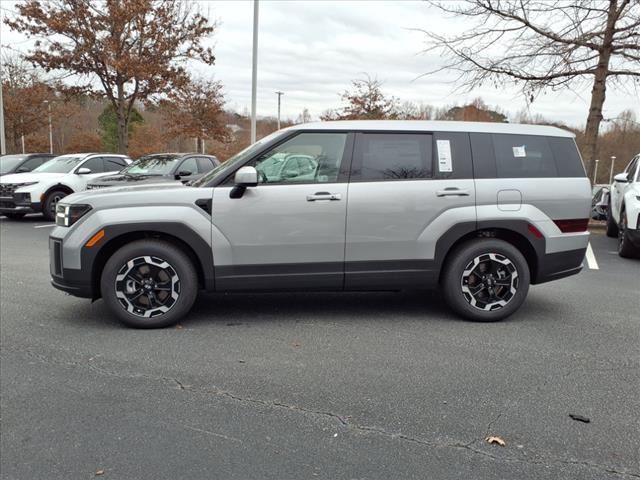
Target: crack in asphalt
pixel 344 421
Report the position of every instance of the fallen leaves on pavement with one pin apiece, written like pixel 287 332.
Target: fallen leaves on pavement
pixel 494 439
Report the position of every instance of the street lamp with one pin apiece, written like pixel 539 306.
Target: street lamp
pixel 254 72
pixel 595 173
pixel 279 95
pixel 50 129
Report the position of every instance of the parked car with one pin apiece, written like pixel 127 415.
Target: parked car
pixel 480 210
pixel 623 215
pixel 24 162
pixel 41 189
pixel 160 168
pixel 599 202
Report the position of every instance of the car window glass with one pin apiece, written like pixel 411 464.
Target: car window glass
pixel 205 164
pixel 94 164
pixel 523 156
pixel 33 162
pixel 306 158
pixel 393 156
pixel 114 164
pixel 189 165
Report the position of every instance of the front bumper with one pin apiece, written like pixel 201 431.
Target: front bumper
pixel 19 204
pixel 72 281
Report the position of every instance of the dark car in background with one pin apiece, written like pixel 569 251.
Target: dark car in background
pixel 23 162
pixel 160 168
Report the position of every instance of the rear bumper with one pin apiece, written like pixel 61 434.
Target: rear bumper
pixel 553 266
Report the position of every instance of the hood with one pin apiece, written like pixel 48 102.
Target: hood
pixel 30 177
pixel 121 179
pixel 129 195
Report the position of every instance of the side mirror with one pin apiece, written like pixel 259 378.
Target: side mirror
pixel 184 173
pixel 621 178
pixel 83 171
pixel 246 177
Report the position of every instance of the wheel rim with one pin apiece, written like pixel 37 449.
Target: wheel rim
pixel 147 286
pixel 54 202
pixel 489 281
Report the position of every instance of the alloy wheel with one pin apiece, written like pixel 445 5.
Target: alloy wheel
pixel 147 286
pixel 489 281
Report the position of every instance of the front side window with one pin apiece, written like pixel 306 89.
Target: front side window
pixel 205 164
pixel 393 156
pixel 306 158
pixel 114 164
pixel 95 164
pixel 189 165
pixel 62 164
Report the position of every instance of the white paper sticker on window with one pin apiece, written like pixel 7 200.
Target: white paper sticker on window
pixel 444 156
pixel 520 151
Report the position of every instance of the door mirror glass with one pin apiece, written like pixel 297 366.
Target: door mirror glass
pixel 246 177
pixel 621 178
pixel 184 173
pixel 83 171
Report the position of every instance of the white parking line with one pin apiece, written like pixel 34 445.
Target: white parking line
pixel 591 258
pixel 48 225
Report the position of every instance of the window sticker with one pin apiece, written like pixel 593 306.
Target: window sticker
pixel 520 151
pixel 444 156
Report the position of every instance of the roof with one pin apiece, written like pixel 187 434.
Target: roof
pixel 437 126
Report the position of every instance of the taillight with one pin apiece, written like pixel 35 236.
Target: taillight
pixel 572 225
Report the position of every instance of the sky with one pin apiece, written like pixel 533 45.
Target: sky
pixel 311 50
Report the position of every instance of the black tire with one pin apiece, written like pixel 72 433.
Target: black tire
pixel 625 248
pixel 506 258
pixel 50 202
pixel 185 287
pixel 612 227
pixel 14 216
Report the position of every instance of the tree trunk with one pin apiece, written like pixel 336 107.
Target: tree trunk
pixel 598 92
pixel 199 145
pixel 123 121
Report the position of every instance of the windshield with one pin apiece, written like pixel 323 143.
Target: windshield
pixel 152 165
pixel 62 164
pixel 237 159
pixel 9 162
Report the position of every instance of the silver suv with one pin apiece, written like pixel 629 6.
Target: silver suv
pixel 479 210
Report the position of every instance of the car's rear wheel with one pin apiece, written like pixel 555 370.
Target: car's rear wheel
pixel 50 203
pixel 612 227
pixel 485 280
pixel 625 248
pixel 14 216
pixel 149 284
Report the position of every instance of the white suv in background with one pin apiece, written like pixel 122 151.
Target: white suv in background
pixel 41 189
pixel 623 217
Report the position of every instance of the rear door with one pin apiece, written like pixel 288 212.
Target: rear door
pixel 406 190
pixel 288 231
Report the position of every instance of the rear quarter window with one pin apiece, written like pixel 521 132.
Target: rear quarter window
pixel 525 156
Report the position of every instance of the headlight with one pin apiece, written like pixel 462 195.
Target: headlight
pixel 28 184
pixel 67 215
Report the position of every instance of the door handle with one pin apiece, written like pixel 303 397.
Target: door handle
pixel 323 196
pixel 452 192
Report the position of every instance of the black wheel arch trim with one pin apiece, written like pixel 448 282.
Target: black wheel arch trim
pixel 93 259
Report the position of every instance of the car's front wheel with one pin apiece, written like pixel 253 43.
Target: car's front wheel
pixel 149 284
pixel 485 280
pixel 625 248
pixel 612 227
pixel 50 203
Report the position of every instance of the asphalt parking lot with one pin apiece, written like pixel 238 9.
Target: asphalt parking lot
pixel 323 385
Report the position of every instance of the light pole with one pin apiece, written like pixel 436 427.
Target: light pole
pixel 254 72
pixel 613 161
pixel 3 149
pixel 595 173
pixel 279 95
pixel 50 129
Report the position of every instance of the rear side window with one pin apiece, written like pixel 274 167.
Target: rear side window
pixel 524 156
pixel 392 156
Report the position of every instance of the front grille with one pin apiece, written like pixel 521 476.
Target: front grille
pixel 95 187
pixel 7 189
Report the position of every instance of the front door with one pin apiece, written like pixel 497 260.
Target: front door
pixel 289 231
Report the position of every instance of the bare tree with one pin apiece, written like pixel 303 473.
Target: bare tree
pixel 366 101
pixel 544 44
